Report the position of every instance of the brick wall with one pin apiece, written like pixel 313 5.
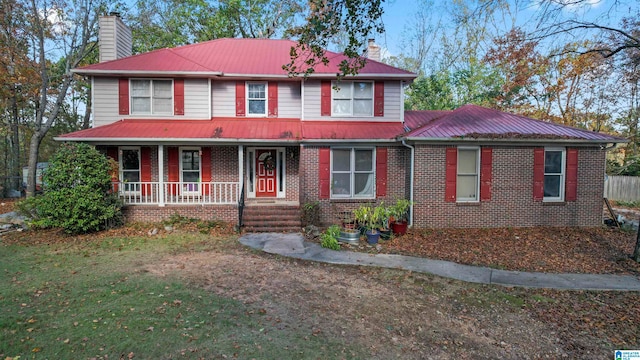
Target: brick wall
pixel 398 166
pixel 152 213
pixel 512 193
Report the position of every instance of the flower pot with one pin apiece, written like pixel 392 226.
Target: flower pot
pixel 399 227
pixel 349 236
pixel 372 238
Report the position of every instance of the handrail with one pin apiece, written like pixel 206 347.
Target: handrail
pixel 241 208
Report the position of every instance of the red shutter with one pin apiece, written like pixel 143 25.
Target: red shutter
pixel 205 161
pixel 178 97
pixel 324 174
pixel 451 175
pixel 538 174
pixel 123 96
pixel 145 169
pixel 112 152
pixel 240 99
pixel 174 170
pixel 378 99
pixel 381 171
pixel 571 189
pixel 486 175
pixel 273 99
pixel 325 98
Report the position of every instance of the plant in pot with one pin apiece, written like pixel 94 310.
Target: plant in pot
pixel 367 216
pixel 400 213
pixel 383 213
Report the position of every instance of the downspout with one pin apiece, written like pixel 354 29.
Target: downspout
pixel 411 175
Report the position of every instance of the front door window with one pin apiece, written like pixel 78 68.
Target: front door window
pixel 190 170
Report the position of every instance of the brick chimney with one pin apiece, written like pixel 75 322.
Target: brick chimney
pixel 373 50
pixel 114 37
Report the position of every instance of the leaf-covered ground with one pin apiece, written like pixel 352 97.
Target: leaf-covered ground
pixel 556 250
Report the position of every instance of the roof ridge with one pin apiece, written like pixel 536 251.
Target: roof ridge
pixel 173 51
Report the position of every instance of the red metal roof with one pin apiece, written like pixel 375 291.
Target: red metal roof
pixel 414 119
pixel 231 57
pixel 474 121
pixel 235 129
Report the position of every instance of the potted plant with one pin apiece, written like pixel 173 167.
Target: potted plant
pixel 370 219
pixel 400 213
pixel 383 213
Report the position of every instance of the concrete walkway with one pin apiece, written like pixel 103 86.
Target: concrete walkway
pixel 293 245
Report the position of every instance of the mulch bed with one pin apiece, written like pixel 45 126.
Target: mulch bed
pixel 556 250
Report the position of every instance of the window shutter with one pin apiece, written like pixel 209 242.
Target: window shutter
pixel 571 189
pixel 112 152
pixel 123 96
pixel 538 174
pixel 273 99
pixel 451 175
pixel 378 99
pixel 178 97
pixel 174 170
pixel 486 175
pixel 240 99
pixel 381 171
pixel 325 98
pixel 205 162
pixel 324 174
pixel 145 169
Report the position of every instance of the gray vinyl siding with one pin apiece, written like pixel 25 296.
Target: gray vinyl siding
pixel 392 103
pixel 289 100
pixel 105 101
pixel 223 100
pixel 115 39
pixel 196 99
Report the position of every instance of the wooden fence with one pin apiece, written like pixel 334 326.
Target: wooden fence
pixel 622 188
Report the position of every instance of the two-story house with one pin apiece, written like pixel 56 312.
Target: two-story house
pixel 203 128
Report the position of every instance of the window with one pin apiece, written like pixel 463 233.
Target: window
pixel 352 173
pixel 468 174
pixel 190 169
pixel 151 97
pixel 257 99
pixel 352 98
pixel 554 165
pixel 130 169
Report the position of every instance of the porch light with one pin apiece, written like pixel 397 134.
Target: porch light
pixel 200 152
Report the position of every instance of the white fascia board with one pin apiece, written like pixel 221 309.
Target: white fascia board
pixel 527 142
pixel 131 73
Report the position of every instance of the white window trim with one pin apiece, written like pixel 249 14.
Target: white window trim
pixel 563 175
pixel 151 113
pixel 121 169
pixel 476 174
pixel 352 173
pixel 350 83
pixel 251 171
pixel 266 98
pixel 199 150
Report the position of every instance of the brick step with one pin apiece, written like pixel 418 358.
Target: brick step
pixel 276 223
pixel 272 219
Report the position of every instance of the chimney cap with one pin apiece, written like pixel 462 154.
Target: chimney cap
pixel 371 41
pixel 114 13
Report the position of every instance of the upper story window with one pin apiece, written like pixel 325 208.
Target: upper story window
pixel 151 96
pixel 352 98
pixel 468 174
pixel 257 99
pixel 554 174
pixel 352 173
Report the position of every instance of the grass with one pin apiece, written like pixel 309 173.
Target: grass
pixel 95 300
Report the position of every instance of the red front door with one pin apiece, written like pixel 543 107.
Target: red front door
pixel 266 170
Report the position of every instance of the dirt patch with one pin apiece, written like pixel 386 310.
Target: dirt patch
pixel 7 205
pixel 395 314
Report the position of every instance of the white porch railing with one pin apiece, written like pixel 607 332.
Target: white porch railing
pixel 150 193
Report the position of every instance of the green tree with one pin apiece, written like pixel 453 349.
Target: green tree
pixel 78 194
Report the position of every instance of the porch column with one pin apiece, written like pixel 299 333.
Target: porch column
pixel 240 170
pixel 160 175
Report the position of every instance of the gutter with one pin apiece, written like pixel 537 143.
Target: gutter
pixel 411 179
pixel 447 141
pixel 196 74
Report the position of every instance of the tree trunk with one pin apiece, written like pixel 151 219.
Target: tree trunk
pixel 34 150
pixel 14 158
pixel 636 250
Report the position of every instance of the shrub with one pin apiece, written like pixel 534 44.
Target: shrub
pixel 78 194
pixel 329 242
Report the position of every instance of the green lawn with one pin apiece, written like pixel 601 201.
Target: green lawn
pixel 94 300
